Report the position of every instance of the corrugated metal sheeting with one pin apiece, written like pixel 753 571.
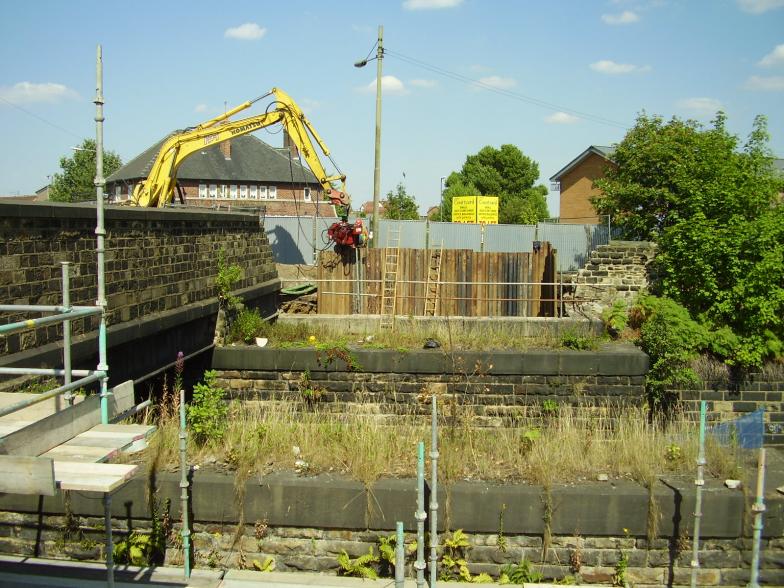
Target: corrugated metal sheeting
pixel 294 240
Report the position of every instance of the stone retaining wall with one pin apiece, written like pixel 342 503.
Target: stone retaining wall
pixel 617 271
pixel 157 260
pixel 388 383
pixel 730 397
pixel 304 523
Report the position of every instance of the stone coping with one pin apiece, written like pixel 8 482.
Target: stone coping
pixel 610 360
pixel 76 210
pixel 614 509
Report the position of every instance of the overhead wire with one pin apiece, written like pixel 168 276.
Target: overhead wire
pixel 42 119
pixel 503 92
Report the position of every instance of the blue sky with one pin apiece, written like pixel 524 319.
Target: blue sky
pixel 554 76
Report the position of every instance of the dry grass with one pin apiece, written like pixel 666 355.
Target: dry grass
pixel 573 445
pixel 452 335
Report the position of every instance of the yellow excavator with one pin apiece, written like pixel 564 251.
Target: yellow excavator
pixel 158 189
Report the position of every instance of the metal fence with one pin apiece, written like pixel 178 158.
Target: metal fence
pixel 299 239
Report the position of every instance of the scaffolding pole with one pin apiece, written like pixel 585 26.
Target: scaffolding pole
pixel 100 233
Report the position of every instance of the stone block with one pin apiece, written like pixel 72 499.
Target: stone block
pixel 646 576
pixel 705 577
pixel 478 506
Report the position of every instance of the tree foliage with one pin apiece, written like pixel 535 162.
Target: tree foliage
pixel 507 173
pixel 400 205
pixel 76 182
pixel 713 208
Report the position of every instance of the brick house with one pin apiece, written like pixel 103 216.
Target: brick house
pixel 243 172
pixel 576 183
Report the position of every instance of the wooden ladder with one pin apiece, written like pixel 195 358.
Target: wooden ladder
pixel 389 285
pixel 433 287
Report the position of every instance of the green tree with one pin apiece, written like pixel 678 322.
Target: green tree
pixel 712 207
pixel 400 205
pixel 76 182
pixel 507 173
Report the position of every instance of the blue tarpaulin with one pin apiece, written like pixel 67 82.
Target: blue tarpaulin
pixel 745 431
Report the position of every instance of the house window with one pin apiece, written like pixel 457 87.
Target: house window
pixel 273 192
pixel 233 191
pixel 213 191
pixel 243 192
pixel 117 193
pixel 130 191
pixel 262 192
pixel 223 191
pixel 202 190
pixel 307 195
pixel 254 192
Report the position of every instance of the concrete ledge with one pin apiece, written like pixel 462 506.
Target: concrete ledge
pixel 610 360
pixel 285 499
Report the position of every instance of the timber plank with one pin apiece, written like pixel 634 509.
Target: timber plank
pixel 27 475
pixel 41 436
pixel 84 454
pixel 92 477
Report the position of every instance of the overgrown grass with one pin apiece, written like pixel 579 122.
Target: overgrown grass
pixel 451 335
pixel 577 444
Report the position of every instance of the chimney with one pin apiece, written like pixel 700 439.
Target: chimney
pixel 225 148
pixel 290 145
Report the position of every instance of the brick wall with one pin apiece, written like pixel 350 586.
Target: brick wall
pixel 577 190
pixel 156 260
pixel 289 201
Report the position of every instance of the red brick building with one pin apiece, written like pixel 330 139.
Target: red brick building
pixel 576 183
pixel 243 172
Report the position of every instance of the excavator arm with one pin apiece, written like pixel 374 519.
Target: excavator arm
pixel 158 188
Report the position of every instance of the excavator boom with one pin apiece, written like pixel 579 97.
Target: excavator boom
pixel 158 188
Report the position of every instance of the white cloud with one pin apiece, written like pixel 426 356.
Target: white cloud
pixel 607 66
pixel 625 17
pixel 498 82
pixel 775 57
pixel 249 31
pixel 389 85
pixel 200 108
pixel 561 118
pixel 423 83
pixel 765 84
pixel 759 6
pixel 29 93
pixel 700 105
pixel 430 4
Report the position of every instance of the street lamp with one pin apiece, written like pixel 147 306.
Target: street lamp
pixel 377 170
pixel 441 205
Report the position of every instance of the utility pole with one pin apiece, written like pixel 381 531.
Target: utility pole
pixel 377 169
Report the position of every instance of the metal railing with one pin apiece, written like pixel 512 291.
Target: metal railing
pixel 64 314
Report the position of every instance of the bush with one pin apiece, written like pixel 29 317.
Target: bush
pixel 671 338
pixel 207 412
pixel 247 326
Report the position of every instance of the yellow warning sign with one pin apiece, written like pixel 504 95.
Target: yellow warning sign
pixel 487 210
pixel 464 209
